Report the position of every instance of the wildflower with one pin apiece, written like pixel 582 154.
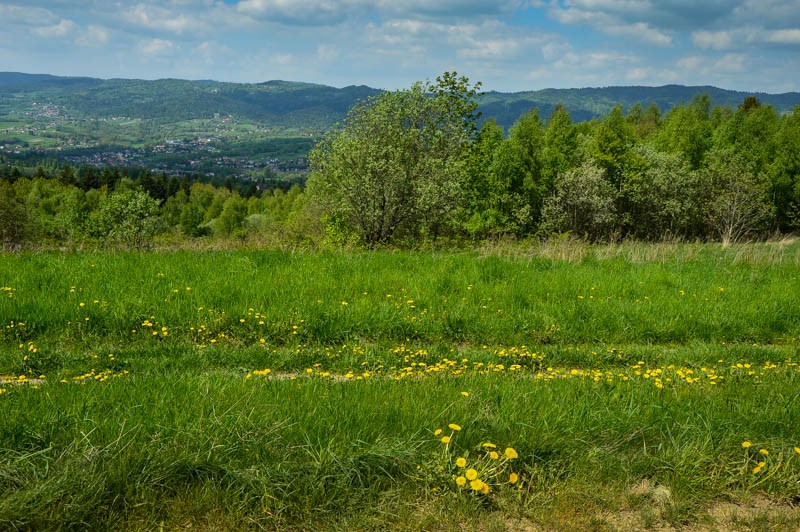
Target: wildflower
pixel 437 432
pixel 476 484
pixel 445 439
pixel 513 478
pixel 757 470
pixel 461 461
pixel 763 452
pixel 453 426
pixel 746 444
pixel 485 488
pixel 510 453
pixel 465 394
pixel 488 445
pixel 494 456
pixel 460 481
pixel 471 474
pixel 797 450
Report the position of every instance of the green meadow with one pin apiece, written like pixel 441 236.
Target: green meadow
pixel 563 386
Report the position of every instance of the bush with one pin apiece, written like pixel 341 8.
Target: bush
pixel 583 204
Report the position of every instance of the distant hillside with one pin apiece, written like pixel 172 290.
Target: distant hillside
pixel 585 104
pixel 315 107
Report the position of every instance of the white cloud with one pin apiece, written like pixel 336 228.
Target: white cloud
pixel 156 46
pixel 650 76
pixel 94 35
pixel 787 36
pixel 691 62
pixel 730 63
pixel 212 51
pixel 332 12
pixel 63 28
pixel 737 38
pixel 715 40
pixel 29 16
pixel 327 52
pixel 641 31
pixel 158 18
pixel 671 15
pixel 488 40
pixel 301 12
pixel 602 15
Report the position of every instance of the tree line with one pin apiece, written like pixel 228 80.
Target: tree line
pixel 413 165
pixel 120 207
pixel 417 166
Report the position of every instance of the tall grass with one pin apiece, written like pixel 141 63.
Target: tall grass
pixel 637 370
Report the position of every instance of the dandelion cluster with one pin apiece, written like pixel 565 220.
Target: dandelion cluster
pixel 758 460
pixel 481 471
pixel 96 376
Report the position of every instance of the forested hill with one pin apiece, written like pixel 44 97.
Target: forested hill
pixel 280 103
pixel 311 106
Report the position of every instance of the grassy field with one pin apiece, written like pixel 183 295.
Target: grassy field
pixel 561 387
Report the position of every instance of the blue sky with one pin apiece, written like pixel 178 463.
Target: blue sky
pixel 509 45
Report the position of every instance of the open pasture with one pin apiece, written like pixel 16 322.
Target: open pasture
pixel 603 388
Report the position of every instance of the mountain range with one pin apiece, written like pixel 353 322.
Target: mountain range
pixel 308 106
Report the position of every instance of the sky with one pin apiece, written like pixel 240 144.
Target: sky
pixel 508 45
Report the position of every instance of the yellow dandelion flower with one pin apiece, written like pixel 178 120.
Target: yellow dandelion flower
pixel 453 426
pixel 763 452
pixel 762 465
pixel 465 394
pixel 485 488
pixel 437 432
pixel 797 450
pixel 488 445
pixel 445 439
pixel 476 484
pixel 460 481
pixel 757 470
pixel 494 456
pixel 510 453
pixel 513 478
pixel 461 461
pixel 746 444
pixel 471 474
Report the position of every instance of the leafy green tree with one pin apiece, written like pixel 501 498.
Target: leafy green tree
pixel 739 205
pixel 173 207
pixel 14 226
pixel 217 205
pixel 69 219
pixel 583 204
pixel 129 218
pixel 396 167
pixel 232 216
pixel 613 142
pixel 67 176
pixel 191 220
pixel 751 133
pixel 664 196
pixel 480 215
pixel 518 182
pixel 687 130
pixel 785 172
pixel 88 178
pixel 560 147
